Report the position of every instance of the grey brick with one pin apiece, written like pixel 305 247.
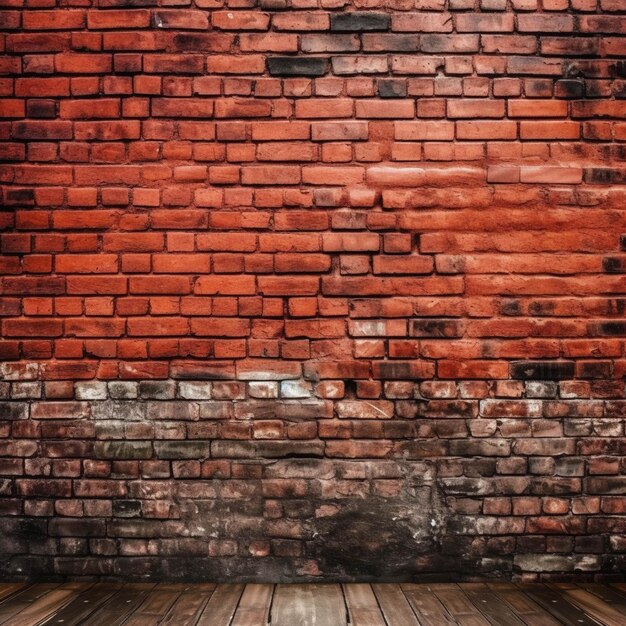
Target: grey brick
pixel 92 390
pixel 541 389
pixel 216 410
pixel 118 410
pixel 157 389
pixel 194 390
pixel 295 389
pixel 297 66
pixel 266 449
pixel 123 390
pixel 26 390
pixel 182 449
pixel 390 88
pixel 444 328
pixel 126 508
pixel 359 21
pixel 175 410
pixel 542 370
pixel 129 450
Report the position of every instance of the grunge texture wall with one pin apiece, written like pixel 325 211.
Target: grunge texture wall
pixel 302 289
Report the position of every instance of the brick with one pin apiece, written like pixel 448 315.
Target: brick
pixel 486 130
pixel 359 21
pixel 329 43
pixel 297 66
pixel 537 108
pixel 375 109
pixel 545 23
pixel 339 131
pixel 101 20
pixel 549 130
pixel 353 65
pixel 468 108
pixel 486 22
pixel 551 174
pixel 444 43
pixel 422 22
pixel 124 450
pixel 240 20
pixel 542 370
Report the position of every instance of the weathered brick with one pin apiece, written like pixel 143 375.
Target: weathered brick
pixel 542 370
pixel 182 449
pixel 14 410
pixel 123 450
pixel 359 21
pixel 297 66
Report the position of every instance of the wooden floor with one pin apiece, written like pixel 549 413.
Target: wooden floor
pixel 469 604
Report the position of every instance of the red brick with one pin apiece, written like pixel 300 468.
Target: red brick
pixel 240 20
pixel 117 20
pixel 53 20
pixel 537 108
pixel 468 108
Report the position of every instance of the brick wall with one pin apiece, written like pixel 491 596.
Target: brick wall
pixel 313 288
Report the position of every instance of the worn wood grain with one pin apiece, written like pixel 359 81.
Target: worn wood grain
pixel 607 594
pixel 459 605
pixel 20 601
pixel 528 611
pixel 188 606
pixel 427 607
pixel 557 605
pixel 43 607
pixel 490 606
pixel 363 609
pixel 222 605
pixel 409 604
pixel 254 606
pixel 9 589
pixel 83 605
pixel 122 604
pixel 157 604
pixel 593 606
pixel 309 605
pixel 394 605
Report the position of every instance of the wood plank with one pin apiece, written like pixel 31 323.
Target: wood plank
pixel 9 589
pixel 117 608
pixel 607 594
pixel 45 606
pixel 363 609
pixel 83 605
pixel 154 608
pixel 621 587
pixel 594 606
pixel 557 605
pixel 309 605
pixel 471 619
pixel 394 605
pixel 490 606
pixel 429 611
pixel 189 605
pixel 528 611
pixel 254 605
pixel 459 605
pixel 23 599
pixel 221 607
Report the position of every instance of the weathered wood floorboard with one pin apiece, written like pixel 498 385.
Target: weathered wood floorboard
pixel 324 604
